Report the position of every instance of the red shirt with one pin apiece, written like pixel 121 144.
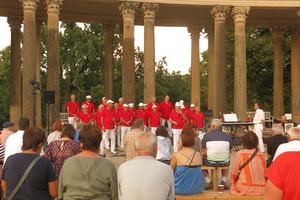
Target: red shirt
pixel 103 104
pixel 142 114
pixel 198 119
pixel 154 118
pixel 190 113
pixel 151 104
pixel 133 115
pixel 97 118
pixel 166 109
pixel 86 118
pixel 126 115
pixel 177 117
pixel 73 107
pixel 117 114
pixel 91 106
pixel 121 108
pixel 108 116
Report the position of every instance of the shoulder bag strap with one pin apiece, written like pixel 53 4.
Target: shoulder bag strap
pixel 11 196
pixel 245 164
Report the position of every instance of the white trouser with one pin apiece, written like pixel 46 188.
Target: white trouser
pixel 106 133
pixel 118 135
pixel 124 130
pixel 176 137
pixel 163 121
pixel 145 128
pixel 258 128
pixel 153 130
pixel 72 122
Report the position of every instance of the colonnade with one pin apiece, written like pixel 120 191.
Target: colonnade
pixel 216 59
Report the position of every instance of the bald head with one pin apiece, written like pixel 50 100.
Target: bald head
pixel 146 145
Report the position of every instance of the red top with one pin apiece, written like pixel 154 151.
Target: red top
pixel 177 117
pixel 154 118
pixel 121 108
pixel 166 109
pixel 117 114
pixel 103 104
pixel 198 119
pixel 86 118
pixel 126 115
pixel 73 108
pixel 190 113
pixel 108 116
pixel 91 106
pixel 151 104
pixel 97 118
pixel 142 114
pixel 133 115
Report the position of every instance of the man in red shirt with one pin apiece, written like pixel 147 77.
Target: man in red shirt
pixel 166 108
pixel 126 119
pixel 197 118
pixel 146 120
pixel 84 116
pixel 90 104
pixel 98 115
pixel 117 115
pixel 72 109
pixel 133 113
pixel 104 102
pixel 121 103
pixel 177 119
pixel 152 103
pixel 191 111
pixel 142 114
pixel 154 119
pixel 108 127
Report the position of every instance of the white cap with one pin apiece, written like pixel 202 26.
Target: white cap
pixel 88 96
pixel 131 105
pixel 104 98
pixel 145 105
pixel 141 104
pixel 85 106
pixel 182 107
pixel 110 101
pixel 101 105
pixel 154 106
pixel 177 104
pixel 125 105
pixel 192 105
pixel 181 101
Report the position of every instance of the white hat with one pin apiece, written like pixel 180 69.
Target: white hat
pixel 181 101
pixel 177 104
pixel 192 105
pixel 125 105
pixel 182 107
pixel 131 105
pixel 104 98
pixel 141 104
pixel 85 106
pixel 154 106
pixel 88 96
pixel 101 105
pixel 110 101
pixel 145 105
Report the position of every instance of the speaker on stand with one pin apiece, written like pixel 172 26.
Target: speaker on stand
pixel 49 98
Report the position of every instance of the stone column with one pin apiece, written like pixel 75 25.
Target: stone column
pixel 53 68
pixel 240 68
pixel 219 15
pixel 295 73
pixel 195 61
pixel 38 98
pixel 15 69
pixel 109 60
pixel 278 86
pixel 29 9
pixel 210 71
pixel 149 10
pixel 128 9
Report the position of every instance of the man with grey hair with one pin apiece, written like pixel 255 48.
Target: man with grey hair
pixel 216 148
pixel 273 142
pixel 131 137
pixel 292 145
pixel 145 178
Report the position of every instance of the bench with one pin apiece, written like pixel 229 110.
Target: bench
pixel 208 195
pixel 214 174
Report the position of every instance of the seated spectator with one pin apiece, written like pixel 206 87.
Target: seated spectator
pixel 144 178
pixel 77 132
pixel 189 126
pixel 87 175
pixel 273 142
pixel 251 178
pixel 59 150
pixel 283 178
pixel 56 134
pixel 164 145
pixel 293 142
pixel 186 164
pixel 41 182
pixel 216 148
pixel 8 129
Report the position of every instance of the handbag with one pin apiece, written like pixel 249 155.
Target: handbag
pixel 11 196
pixel 245 164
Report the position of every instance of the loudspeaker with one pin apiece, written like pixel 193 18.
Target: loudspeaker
pixel 208 113
pixel 49 97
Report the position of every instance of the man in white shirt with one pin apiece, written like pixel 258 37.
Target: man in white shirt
pixel 259 125
pixel 292 145
pixel 145 178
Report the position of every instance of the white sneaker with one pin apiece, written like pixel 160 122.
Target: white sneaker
pixel 113 152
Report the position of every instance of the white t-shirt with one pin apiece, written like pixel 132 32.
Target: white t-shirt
pixel 293 145
pixel 259 115
pixel 53 136
pixel 14 144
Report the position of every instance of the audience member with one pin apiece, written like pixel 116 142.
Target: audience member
pixel 145 178
pixel 59 150
pixel 77 132
pixel 88 175
pixel 41 182
pixel 293 142
pixel 249 180
pixel 164 145
pixel 8 129
pixel 56 134
pixel 186 164
pixel 190 127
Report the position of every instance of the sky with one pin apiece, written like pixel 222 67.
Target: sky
pixel 172 42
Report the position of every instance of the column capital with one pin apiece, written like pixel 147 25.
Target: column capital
pixel 14 22
pixel 278 31
pixel 53 6
pixel 149 10
pixel 295 30
pixel 240 13
pixel 128 8
pixel 29 4
pixel 194 29
pixel 108 28
pixel 219 12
